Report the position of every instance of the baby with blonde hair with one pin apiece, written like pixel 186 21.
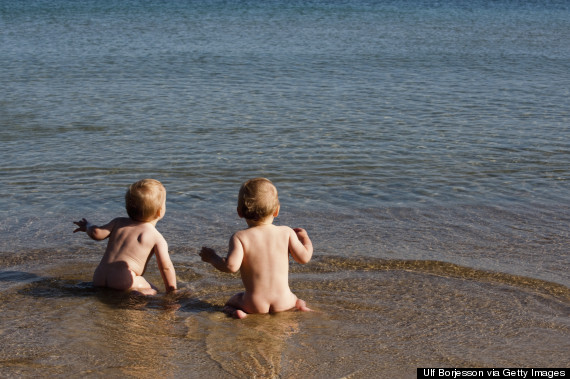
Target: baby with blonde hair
pixel 133 240
pixel 261 254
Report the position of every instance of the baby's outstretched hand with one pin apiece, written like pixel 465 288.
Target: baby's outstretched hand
pixel 207 254
pixel 82 225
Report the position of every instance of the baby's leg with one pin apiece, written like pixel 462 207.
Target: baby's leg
pixel 234 306
pixel 141 285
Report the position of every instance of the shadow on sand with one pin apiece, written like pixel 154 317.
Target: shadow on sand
pixel 50 287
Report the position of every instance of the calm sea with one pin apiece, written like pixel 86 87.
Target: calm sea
pixel 424 145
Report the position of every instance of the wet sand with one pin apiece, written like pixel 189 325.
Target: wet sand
pixel 372 318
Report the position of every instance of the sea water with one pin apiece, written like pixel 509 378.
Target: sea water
pixel 423 145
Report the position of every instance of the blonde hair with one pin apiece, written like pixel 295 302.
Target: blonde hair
pixel 257 199
pixel 144 198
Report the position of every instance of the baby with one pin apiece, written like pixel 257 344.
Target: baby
pixel 132 241
pixel 261 253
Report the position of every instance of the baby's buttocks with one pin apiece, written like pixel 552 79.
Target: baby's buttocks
pixel 115 275
pixel 272 304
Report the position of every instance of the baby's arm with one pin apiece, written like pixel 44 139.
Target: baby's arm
pixel 300 245
pixel 95 232
pixel 231 263
pixel 165 265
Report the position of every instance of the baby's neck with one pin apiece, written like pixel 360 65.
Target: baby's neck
pixel 152 222
pixel 265 221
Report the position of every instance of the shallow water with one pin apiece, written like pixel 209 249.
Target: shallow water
pixel 424 146
pixel 371 318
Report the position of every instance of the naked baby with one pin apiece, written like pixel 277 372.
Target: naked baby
pixel 132 241
pixel 261 254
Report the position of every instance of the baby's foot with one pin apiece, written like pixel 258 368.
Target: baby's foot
pixel 302 306
pixel 239 314
pixel 234 312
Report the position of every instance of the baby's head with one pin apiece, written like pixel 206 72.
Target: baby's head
pixel 144 200
pixel 257 199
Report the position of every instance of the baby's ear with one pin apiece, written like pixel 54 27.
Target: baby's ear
pixel 276 213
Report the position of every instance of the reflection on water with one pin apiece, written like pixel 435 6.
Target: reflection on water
pixel 370 317
pixel 256 345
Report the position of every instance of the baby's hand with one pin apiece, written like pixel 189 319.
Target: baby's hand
pixel 82 225
pixel 207 254
pixel 301 234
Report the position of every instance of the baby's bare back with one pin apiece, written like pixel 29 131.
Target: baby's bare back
pixel 128 250
pixel 265 268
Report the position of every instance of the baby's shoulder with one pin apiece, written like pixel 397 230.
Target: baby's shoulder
pixel 149 228
pixel 149 235
pixel 121 222
pixel 262 232
pixel 282 232
pixel 139 228
pixel 284 229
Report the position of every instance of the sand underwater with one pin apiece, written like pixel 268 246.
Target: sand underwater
pixel 372 318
